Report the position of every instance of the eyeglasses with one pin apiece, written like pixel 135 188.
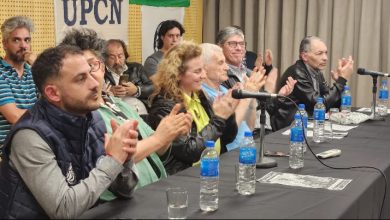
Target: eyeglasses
pixel 95 65
pixel 233 44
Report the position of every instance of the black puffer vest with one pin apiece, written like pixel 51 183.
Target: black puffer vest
pixel 76 142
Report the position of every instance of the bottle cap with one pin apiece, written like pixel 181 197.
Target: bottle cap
pixel 297 116
pixel 248 134
pixel 209 144
pixel 346 87
pixel 320 99
pixel 301 106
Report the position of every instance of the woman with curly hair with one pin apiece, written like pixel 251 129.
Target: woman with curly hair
pixel 178 80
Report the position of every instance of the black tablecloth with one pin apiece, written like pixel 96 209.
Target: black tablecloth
pixel 366 145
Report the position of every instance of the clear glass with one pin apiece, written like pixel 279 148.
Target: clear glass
pixel 177 202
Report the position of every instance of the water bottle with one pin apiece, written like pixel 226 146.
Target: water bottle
pixel 247 165
pixel 296 143
pixel 383 98
pixel 319 121
pixel 305 120
pixel 209 176
pixel 346 100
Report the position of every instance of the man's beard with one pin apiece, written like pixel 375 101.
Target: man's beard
pixel 17 57
pixel 118 68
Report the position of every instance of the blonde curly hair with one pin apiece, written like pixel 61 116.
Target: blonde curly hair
pixel 171 67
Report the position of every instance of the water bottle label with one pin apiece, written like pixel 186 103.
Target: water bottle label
pixel 319 114
pixel 383 94
pixel 296 134
pixel 346 100
pixel 247 155
pixel 209 167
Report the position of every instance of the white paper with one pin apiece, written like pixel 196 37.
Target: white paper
pixel 366 109
pixel 306 181
pixel 338 127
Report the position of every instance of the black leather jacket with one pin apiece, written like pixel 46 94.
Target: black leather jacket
pixel 305 93
pixel 137 76
pixel 187 150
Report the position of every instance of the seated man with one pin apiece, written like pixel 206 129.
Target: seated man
pixel 126 80
pixel 313 57
pixel 55 164
pixel 232 41
pixel 15 73
pixel 168 34
pixel 149 166
pixel 216 73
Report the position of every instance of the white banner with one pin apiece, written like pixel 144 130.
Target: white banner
pixel 151 17
pixel 109 18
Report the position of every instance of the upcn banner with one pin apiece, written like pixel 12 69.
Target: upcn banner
pixel 109 18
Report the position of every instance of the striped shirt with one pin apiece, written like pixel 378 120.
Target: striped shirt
pixel 13 89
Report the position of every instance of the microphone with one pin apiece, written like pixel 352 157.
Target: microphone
pixel 242 94
pixel 363 71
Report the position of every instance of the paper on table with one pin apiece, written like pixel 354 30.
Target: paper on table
pixel 365 109
pixel 307 181
pixel 335 135
pixel 309 133
pixel 338 127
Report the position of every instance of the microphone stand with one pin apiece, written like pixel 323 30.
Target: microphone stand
pixel 263 162
pixel 374 115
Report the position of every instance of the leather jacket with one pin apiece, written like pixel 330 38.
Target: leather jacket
pixel 305 93
pixel 137 76
pixel 187 150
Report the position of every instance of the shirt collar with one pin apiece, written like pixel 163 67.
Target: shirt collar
pixel 311 70
pixel 5 64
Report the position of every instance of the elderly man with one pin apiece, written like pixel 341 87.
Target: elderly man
pixel 17 87
pixel 313 57
pixel 216 71
pixel 127 80
pixel 232 41
pixel 55 164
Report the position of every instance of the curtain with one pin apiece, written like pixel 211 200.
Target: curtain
pixel 348 27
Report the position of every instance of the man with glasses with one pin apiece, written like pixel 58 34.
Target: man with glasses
pixel 17 87
pixel 55 164
pixel 232 41
pixel 124 79
pixel 313 59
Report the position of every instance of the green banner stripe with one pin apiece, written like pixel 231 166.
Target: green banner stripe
pixel 162 3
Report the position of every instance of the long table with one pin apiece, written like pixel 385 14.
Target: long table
pixel 368 145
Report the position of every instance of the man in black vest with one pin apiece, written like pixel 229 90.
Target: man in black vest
pixel 55 164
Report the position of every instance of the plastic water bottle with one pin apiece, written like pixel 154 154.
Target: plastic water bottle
pixel 319 121
pixel 209 176
pixel 383 98
pixel 305 120
pixel 247 165
pixel 296 143
pixel 346 100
